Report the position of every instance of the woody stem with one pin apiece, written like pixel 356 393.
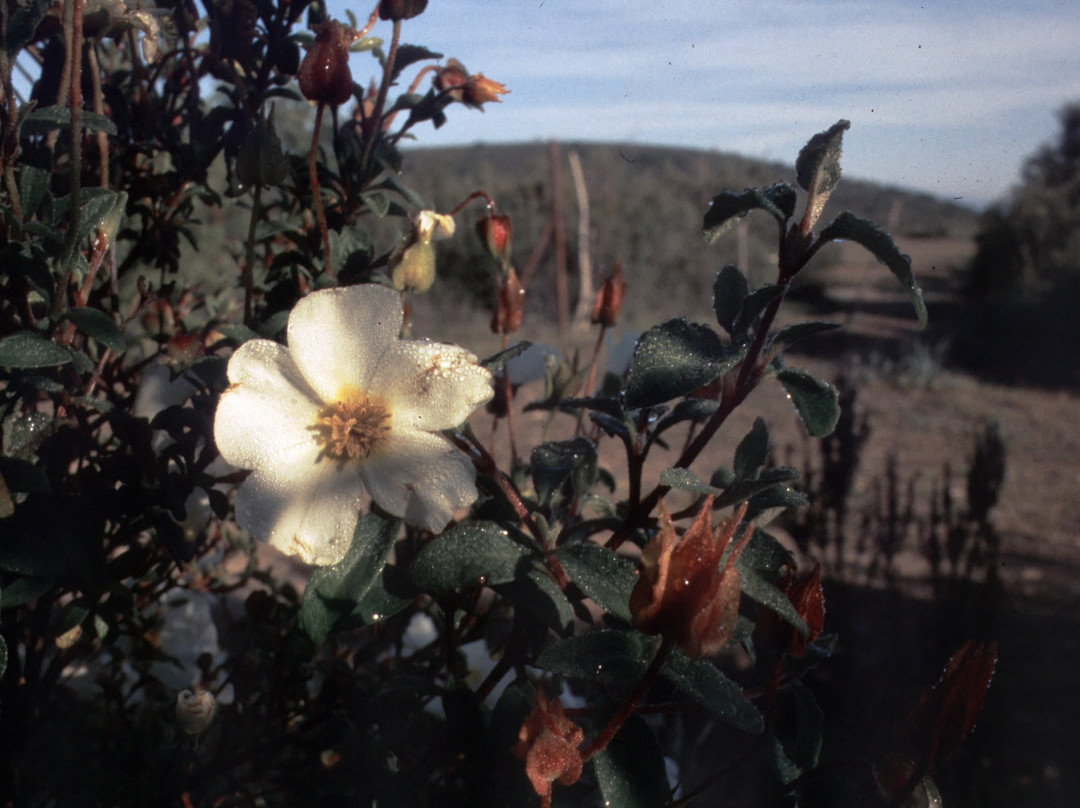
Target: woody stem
pixel 316 196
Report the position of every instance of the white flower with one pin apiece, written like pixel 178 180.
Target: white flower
pixel 347 406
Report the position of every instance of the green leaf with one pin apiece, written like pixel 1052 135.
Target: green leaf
pixel 411 54
pixel 809 726
pixel 673 359
pixel 817 167
pixel 703 682
pixel 728 207
pixel 630 770
pixel 24 590
pixel 465 555
pixel 817 402
pixel 689 409
pixel 755 303
pixel 847 226
pixel 33 185
pixel 23 477
pixel 537 593
pixel 752 451
pixel 785 337
pixel 730 289
pixel 377 202
pixel 29 349
pixel 737 490
pixel 763 553
pixel 235 333
pixel 601 574
pixel 333 592
pixel 497 362
pixel 685 480
pixel 610 657
pixel 46 119
pixel 3 657
pixel 555 463
pixel 758 589
pixel 23 26
pixel 97 324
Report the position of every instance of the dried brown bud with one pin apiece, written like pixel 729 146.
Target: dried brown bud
pixel 401 9
pixel 608 302
pixel 682 593
pixel 324 74
pixel 480 90
pixel 548 743
pixel 498 237
pixel 510 305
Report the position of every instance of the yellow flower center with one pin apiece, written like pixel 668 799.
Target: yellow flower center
pixel 353 426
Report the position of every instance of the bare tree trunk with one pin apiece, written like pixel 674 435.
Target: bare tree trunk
pixel 561 293
pixel 586 293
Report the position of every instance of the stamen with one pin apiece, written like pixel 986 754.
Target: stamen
pixel 352 427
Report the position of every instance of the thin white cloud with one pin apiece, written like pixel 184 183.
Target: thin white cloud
pixel 936 86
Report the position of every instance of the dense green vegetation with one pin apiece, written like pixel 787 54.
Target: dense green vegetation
pixel 1026 273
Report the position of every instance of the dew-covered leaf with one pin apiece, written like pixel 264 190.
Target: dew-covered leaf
pixel 702 681
pixel 334 592
pixel 601 574
pixel 467 555
pixel 673 359
pixel 630 770
pixel 847 226
pixel 29 349
pixel 817 402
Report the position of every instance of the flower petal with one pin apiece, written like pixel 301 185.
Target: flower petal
pixel 264 418
pixel 314 518
pixel 421 478
pixel 430 386
pixel 336 336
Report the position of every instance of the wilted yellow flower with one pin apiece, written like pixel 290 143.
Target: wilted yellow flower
pixel 347 406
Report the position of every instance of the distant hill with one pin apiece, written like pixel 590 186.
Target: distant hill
pixel 646 206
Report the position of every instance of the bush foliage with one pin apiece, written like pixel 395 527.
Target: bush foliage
pixel 516 641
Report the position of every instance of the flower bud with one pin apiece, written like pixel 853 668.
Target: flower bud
pixel 497 235
pixel 401 9
pixel 510 305
pixel 415 272
pixel 608 302
pixel 195 711
pixel 324 74
pixel 682 594
pixel 548 743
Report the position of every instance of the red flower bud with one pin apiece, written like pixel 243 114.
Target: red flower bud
pixel 682 593
pixel 548 743
pixel 401 9
pixel 609 299
pixel 808 598
pixel 510 305
pixel 497 234
pixel 324 74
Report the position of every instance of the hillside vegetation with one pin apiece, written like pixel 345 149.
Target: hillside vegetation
pixel 646 205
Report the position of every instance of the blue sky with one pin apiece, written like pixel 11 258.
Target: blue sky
pixel 944 96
